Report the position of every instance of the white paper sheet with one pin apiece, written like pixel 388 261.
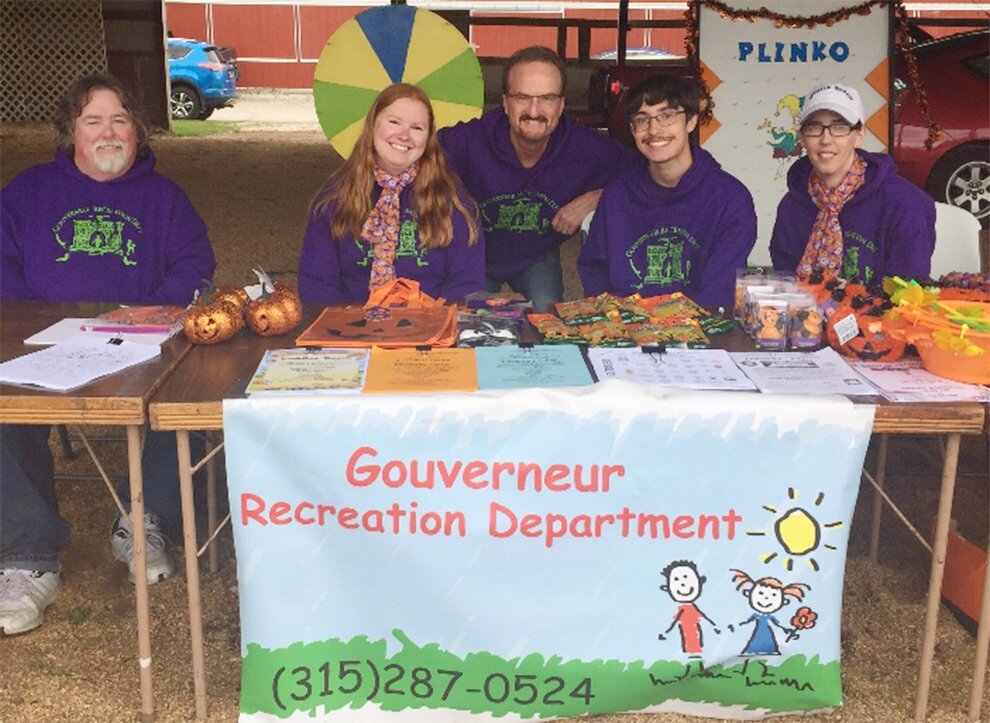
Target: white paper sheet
pixel 907 380
pixel 75 362
pixel 815 372
pixel 679 368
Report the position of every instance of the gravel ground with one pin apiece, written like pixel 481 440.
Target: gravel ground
pixel 253 189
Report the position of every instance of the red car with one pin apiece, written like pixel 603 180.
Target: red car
pixel 953 72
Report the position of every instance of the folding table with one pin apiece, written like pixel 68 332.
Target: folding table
pixel 192 400
pixel 117 400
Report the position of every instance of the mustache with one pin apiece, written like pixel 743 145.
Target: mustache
pixel 537 118
pixel 100 145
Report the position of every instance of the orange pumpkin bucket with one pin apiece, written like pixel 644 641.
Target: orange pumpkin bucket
pixel 952 337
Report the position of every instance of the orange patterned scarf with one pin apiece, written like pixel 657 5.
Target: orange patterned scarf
pixel 824 249
pixel 381 228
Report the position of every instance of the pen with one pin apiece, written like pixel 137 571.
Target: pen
pixel 127 329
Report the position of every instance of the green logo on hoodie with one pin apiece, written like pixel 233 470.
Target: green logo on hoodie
pixel 407 246
pixel 98 231
pixel 524 212
pixel 657 257
pixel 852 262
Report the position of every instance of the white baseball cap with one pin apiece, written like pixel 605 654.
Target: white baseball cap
pixel 837 98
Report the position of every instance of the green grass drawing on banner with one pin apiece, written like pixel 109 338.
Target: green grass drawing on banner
pixel 329 675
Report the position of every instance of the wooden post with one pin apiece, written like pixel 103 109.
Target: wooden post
pixel 584 43
pixel 620 48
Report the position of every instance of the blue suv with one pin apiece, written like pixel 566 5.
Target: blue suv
pixel 203 78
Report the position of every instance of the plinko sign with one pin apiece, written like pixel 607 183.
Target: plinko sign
pixel 536 554
pixel 760 72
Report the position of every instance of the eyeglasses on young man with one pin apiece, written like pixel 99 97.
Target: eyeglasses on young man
pixel 642 121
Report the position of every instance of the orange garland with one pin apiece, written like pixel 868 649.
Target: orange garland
pixel 810 21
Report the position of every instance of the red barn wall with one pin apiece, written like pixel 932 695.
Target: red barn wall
pixel 278 44
pixel 186 21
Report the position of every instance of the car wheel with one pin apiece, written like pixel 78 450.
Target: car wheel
pixel 205 113
pixel 185 103
pixel 962 178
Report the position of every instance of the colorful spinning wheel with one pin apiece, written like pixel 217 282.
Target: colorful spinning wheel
pixel 394 44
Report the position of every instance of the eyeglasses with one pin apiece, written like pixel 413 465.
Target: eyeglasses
pixel 836 130
pixel 641 121
pixel 525 99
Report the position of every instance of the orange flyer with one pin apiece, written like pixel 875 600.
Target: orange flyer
pixel 402 371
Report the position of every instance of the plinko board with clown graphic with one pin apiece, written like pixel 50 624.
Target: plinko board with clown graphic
pixel 537 554
pixel 759 71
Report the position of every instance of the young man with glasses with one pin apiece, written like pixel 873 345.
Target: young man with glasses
pixel 846 211
pixel 679 223
pixel 534 173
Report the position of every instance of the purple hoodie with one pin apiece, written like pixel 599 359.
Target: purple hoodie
pixel 518 204
pixel 67 237
pixel 652 240
pixel 337 271
pixel 888 226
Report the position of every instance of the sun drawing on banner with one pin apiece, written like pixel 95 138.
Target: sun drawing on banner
pixel 798 532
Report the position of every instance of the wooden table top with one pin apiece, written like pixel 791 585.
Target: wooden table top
pixel 120 398
pixel 192 397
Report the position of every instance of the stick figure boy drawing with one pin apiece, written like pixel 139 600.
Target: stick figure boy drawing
pixel 684 584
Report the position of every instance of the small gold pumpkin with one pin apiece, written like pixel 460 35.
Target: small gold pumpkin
pixel 235 295
pixel 277 313
pixel 212 321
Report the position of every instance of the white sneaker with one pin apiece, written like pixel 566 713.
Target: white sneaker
pixel 159 563
pixel 24 595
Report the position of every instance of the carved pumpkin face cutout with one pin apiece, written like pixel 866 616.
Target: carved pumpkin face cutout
pixel 391 328
pixel 400 327
pixel 871 342
pixel 212 322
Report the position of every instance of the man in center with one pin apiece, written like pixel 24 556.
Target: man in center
pixel 534 172
pixel 679 223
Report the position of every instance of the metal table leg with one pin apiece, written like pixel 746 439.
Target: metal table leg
pixel 940 543
pixel 192 571
pixel 141 570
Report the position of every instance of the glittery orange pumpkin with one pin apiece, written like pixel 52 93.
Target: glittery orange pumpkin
pixel 275 314
pixel 233 294
pixel 212 321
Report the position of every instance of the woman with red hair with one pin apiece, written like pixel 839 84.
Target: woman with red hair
pixel 393 210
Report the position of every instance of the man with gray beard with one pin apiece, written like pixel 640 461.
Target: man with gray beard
pixel 97 224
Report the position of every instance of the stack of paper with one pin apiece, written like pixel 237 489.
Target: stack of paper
pixel 816 372
pixel 908 381
pixel 75 362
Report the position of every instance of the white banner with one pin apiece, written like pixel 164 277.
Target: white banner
pixel 541 553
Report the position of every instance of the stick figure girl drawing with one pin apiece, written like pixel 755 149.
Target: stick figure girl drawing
pixel 766 596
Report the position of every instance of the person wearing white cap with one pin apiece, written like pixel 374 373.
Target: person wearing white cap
pixel 846 212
